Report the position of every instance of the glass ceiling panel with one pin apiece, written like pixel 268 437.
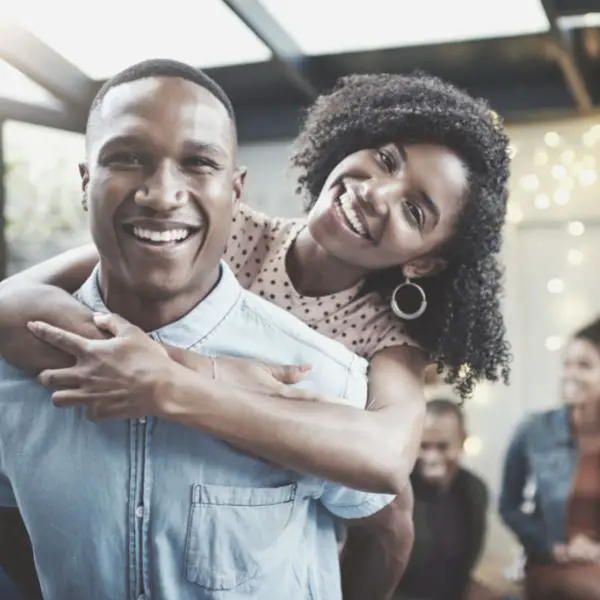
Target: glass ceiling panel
pixel 16 86
pixel 119 33
pixel 329 26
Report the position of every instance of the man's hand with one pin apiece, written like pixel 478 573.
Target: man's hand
pixel 115 378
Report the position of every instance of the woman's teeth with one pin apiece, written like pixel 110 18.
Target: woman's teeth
pixel 344 207
pixel 164 236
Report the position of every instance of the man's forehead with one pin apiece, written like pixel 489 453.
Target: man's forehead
pixel 174 105
pixel 441 426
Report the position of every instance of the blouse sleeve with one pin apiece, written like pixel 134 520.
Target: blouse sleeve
pixel 386 332
pixel 248 228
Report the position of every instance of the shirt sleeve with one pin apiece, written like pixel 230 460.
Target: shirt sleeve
pixel 341 501
pixel 7 497
pixel 248 230
pixel 347 503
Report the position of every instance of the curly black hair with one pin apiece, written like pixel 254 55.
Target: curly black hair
pixel 463 327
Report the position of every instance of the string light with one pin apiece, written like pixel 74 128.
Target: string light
pixel 473 446
pixel 559 171
pixel 575 228
pixel 587 177
pixel 556 286
pixel 575 257
pixel 561 196
pixel 514 214
pixel 588 161
pixel 588 139
pixel 530 182
pixel 541 201
pixel 540 158
pixel 553 343
pixel 552 139
pixel 567 157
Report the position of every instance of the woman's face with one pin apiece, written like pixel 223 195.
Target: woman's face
pixel 580 381
pixel 390 206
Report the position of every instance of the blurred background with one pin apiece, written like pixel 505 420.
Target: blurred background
pixel 538 64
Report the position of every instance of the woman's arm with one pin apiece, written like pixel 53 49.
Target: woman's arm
pixel 372 450
pixel 32 295
pixel 529 528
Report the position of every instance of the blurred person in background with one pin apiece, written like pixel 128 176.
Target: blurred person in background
pixel 450 507
pixel 558 451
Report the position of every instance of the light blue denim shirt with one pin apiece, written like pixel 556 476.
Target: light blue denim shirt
pixel 148 509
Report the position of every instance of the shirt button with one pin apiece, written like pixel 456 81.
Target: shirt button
pixel 139 513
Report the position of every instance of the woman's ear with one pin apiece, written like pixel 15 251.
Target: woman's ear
pixel 424 267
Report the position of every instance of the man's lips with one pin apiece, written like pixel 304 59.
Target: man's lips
pixel 160 232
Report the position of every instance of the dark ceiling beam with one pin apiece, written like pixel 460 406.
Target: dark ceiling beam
pixel 12 110
pixel 577 7
pixel 44 66
pixel 286 53
pixel 567 61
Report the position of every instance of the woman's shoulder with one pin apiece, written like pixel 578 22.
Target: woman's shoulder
pixel 253 235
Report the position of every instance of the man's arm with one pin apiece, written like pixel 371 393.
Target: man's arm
pixel 16 555
pixel 377 550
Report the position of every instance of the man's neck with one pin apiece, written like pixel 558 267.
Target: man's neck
pixel 150 312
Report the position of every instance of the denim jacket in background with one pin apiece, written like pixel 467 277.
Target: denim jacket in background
pixel 542 452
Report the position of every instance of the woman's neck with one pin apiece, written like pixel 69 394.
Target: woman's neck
pixel 326 275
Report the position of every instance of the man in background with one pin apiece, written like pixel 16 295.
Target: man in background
pixel 449 514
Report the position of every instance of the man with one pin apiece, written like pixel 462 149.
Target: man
pixel 449 513
pixel 146 508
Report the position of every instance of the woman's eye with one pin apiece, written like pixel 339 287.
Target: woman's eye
pixel 388 160
pixel 416 213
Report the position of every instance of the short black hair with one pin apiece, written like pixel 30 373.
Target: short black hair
pixel 463 328
pixel 162 67
pixel 444 406
pixel 591 333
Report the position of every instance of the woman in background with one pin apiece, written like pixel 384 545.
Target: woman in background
pixel 559 452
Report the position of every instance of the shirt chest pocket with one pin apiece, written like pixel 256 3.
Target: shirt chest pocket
pixel 237 534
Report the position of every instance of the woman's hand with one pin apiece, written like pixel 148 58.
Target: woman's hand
pixel 115 378
pixel 124 376
pixel 582 549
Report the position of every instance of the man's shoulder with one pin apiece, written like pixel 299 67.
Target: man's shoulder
pixel 473 485
pixel 10 374
pixel 280 322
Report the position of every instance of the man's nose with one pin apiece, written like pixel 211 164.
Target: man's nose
pixel 164 190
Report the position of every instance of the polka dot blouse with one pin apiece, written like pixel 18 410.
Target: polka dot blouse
pixel 257 253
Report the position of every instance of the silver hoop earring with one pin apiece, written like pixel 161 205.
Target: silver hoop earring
pixel 405 315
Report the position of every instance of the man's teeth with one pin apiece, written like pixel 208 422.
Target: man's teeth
pixel 345 204
pixel 169 235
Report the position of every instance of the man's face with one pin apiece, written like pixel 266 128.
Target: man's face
pixel 441 449
pixel 162 186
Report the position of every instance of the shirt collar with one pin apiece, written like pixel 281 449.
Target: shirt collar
pixel 204 318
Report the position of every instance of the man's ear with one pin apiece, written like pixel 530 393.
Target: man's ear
pixel 239 181
pixel 428 266
pixel 85 175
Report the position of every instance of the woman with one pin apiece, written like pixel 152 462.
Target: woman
pixel 559 452
pixel 406 186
